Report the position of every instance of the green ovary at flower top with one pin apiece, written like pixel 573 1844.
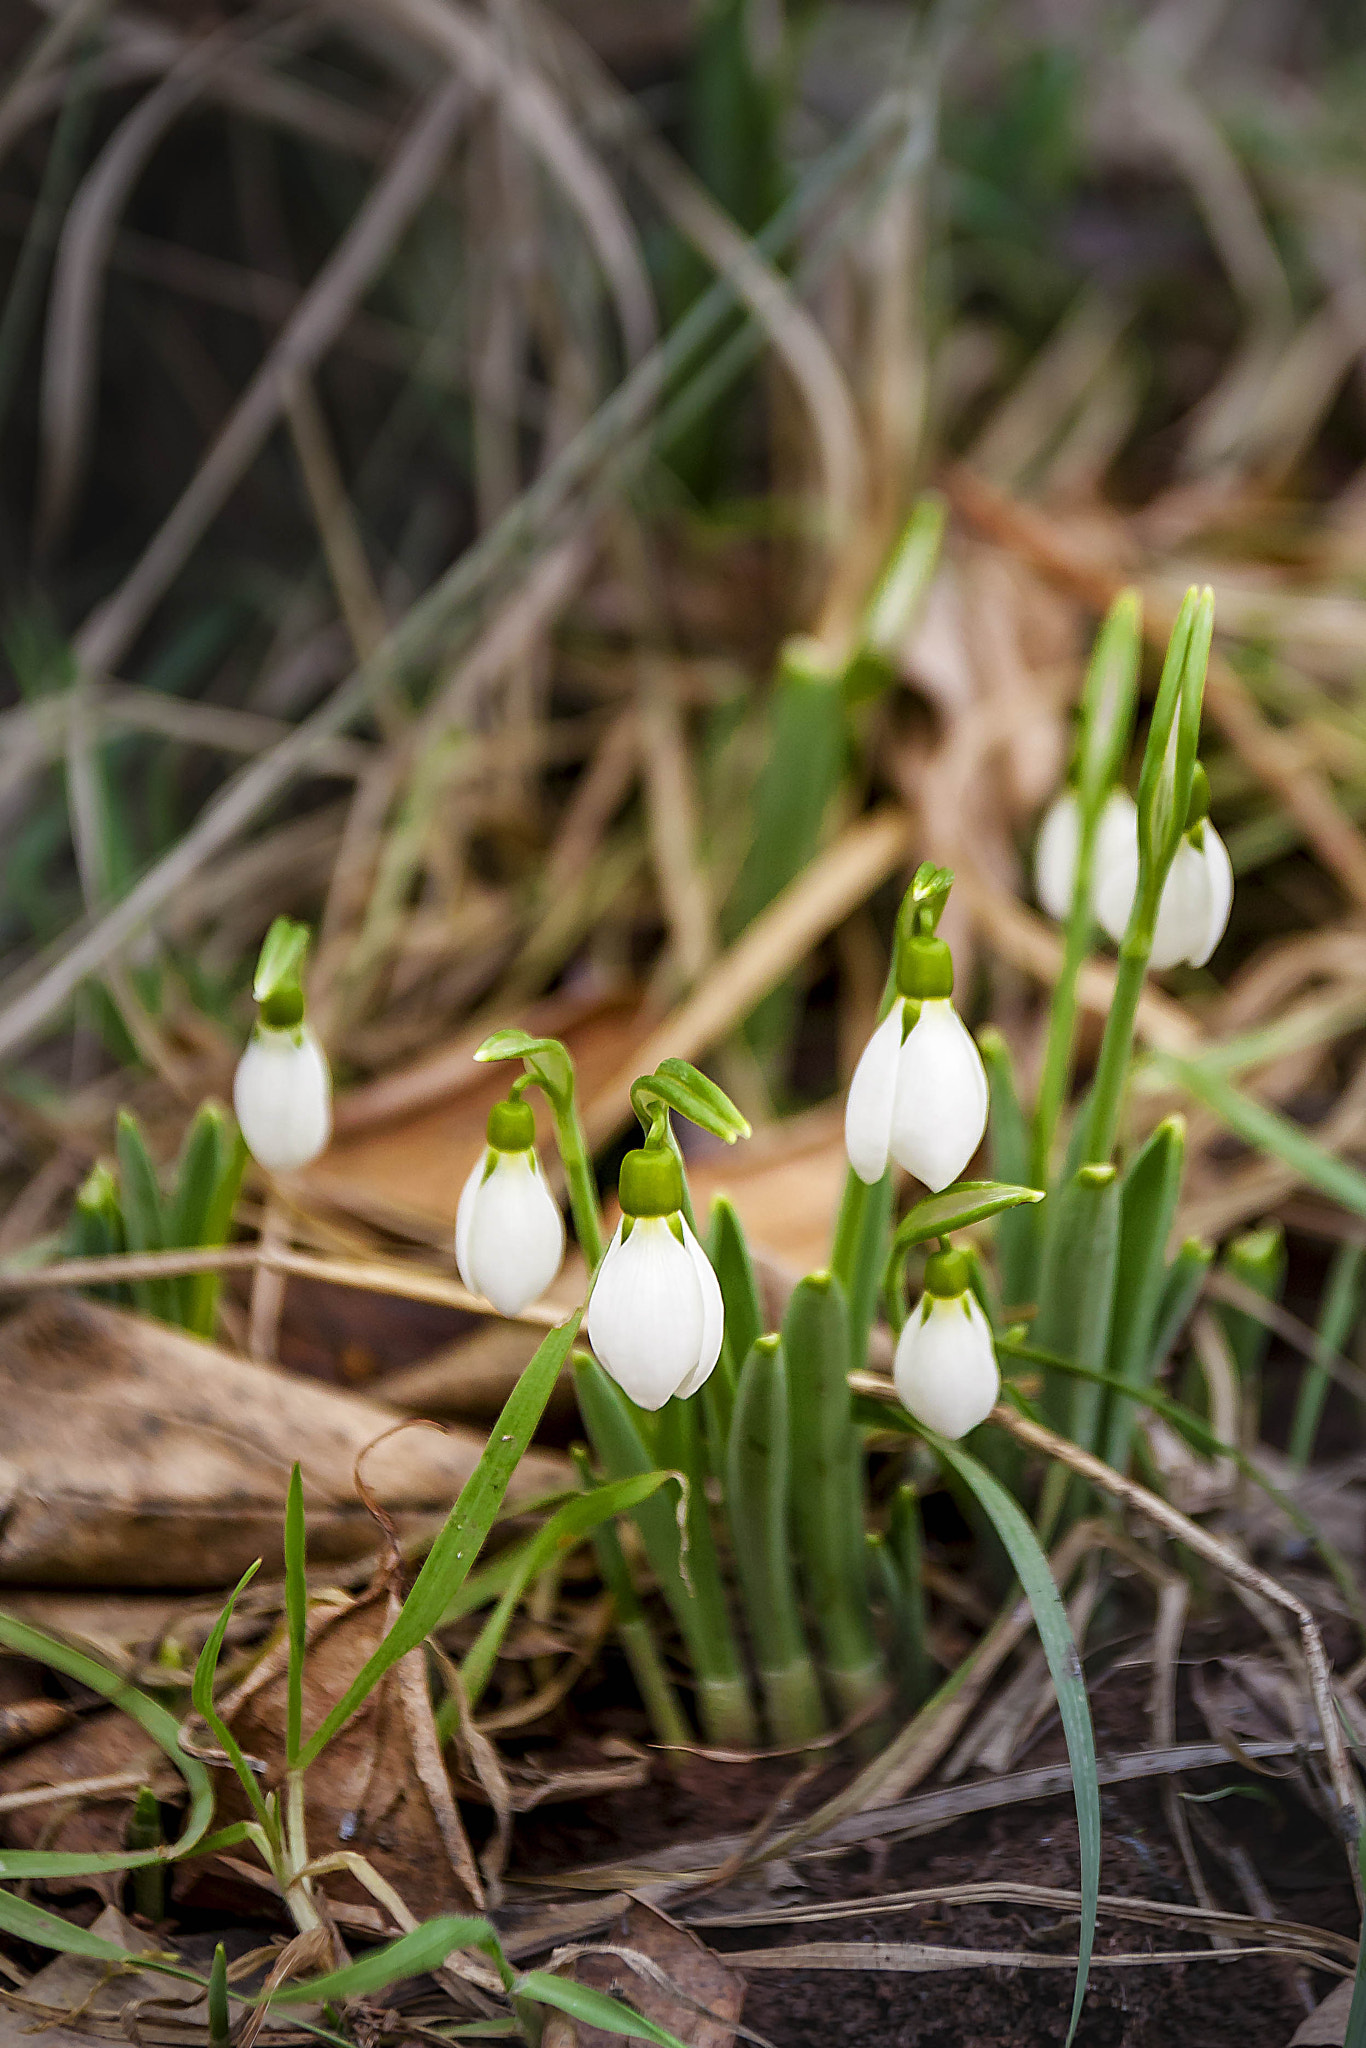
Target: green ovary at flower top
pixel 282 1091
pixel 509 1233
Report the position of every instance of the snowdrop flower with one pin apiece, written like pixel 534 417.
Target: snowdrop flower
pixel 282 1093
pixel 655 1316
pixel 1196 896
pixel 282 1090
pixel 1055 854
pixel 918 1095
pixel 509 1233
pixel 945 1369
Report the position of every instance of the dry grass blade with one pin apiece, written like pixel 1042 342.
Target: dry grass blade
pixel 916 1957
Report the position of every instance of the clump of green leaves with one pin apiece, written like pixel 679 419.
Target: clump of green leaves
pixel 123 1207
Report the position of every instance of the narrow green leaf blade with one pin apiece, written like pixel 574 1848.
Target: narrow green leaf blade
pixel 425 1948
pixel 144 1222
pixel 968 1201
pixel 566 1527
pixel 1060 1649
pixel 449 1560
pixel 595 2008
pixel 26 1641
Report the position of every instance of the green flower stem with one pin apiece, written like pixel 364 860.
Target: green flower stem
pixel 758 1500
pixel 697 1603
pixel 1116 1048
pixel 578 1173
pixel 827 1490
pixel 1062 1016
pixel 145 1832
pixel 723 1695
pixel 905 1544
pixel 859 1254
pixel 1342 1300
pixel 634 1633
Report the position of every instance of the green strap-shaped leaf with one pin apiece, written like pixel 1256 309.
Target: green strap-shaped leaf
pixel 144 1220
pixel 201 1693
pixel 968 1201
pixel 1064 1664
pixel 26 1641
pixel 450 1558
pixel 1147 1210
pixel 1018 1234
pixel 568 1526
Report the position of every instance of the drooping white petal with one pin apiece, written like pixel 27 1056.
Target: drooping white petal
pixel 1183 914
pixel 1219 879
pixel 509 1234
pixel 646 1317
pixel 282 1093
pixel 939 1111
pixel 945 1369
pixel 868 1111
pixel 1055 856
pixel 1116 866
pixel 713 1316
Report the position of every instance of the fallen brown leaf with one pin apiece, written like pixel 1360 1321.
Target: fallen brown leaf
pixel 668 1975
pixel 137 1456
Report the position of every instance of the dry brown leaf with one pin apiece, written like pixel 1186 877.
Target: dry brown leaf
pixel 1326 2025
pixel 364 1791
pixel 77 1983
pixel 104 1744
pixel 407 1172
pixel 712 1996
pixel 134 1453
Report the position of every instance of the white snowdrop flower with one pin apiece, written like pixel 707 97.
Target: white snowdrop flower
pixel 655 1316
pixel 945 1368
pixel 509 1233
pixel 1055 853
pixel 1196 896
pixel 918 1096
pixel 282 1093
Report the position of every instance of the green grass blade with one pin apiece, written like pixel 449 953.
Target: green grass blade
pixel 201 1693
pixel 296 1612
pixel 729 1253
pixel 150 1716
pixel 566 1528
pixel 412 1955
pixel 1059 1647
pixel 449 1560
pixel 1341 1306
pixel 595 2008
pixel 1265 1130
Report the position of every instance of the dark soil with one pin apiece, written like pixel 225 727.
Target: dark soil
pixel 1251 2003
